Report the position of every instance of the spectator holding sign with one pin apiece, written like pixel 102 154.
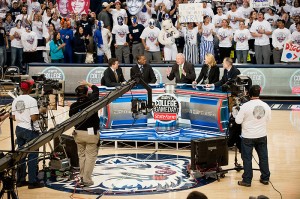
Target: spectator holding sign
pixel 207 30
pixel 279 37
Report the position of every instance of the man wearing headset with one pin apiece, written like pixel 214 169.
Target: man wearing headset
pixel 253 116
pixel 25 111
pixel 86 133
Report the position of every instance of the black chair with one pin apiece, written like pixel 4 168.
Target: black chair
pixel 11 71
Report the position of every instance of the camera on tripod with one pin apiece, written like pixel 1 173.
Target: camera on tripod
pixel 46 86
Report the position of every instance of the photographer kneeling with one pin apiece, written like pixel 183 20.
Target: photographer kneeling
pixel 25 111
pixel 86 134
pixel 253 116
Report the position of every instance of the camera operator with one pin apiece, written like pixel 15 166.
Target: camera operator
pixel 86 133
pixel 25 111
pixel 230 73
pixel 253 116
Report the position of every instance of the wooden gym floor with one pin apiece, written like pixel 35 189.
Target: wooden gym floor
pixel 284 160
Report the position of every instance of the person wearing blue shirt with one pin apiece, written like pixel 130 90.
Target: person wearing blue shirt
pixel 67 37
pixel 56 49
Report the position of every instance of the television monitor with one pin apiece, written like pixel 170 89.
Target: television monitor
pixel 209 153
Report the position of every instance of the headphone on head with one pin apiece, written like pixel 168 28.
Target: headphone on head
pixel 81 90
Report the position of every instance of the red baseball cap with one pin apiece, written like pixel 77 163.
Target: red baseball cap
pixel 26 85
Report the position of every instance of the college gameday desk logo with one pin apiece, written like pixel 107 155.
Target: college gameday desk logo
pixel 166 108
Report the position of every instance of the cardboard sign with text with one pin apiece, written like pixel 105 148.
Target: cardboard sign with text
pixel 291 53
pixel 260 3
pixel 190 12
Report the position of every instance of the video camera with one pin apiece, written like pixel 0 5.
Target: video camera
pixel 46 85
pixel 139 106
pixel 239 88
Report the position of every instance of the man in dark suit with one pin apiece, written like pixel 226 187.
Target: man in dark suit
pixel 182 71
pixel 230 73
pixel 143 69
pixel 113 75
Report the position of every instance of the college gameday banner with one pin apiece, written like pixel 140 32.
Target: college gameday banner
pixel 66 7
pixel 190 12
pixel 291 53
pixel 261 3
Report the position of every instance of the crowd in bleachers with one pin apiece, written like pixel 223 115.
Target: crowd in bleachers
pixel 46 31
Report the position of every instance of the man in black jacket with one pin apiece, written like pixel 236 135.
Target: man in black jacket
pixel 113 75
pixel 230 73
pixel 182 71
pixel 86 133
pixel 143 69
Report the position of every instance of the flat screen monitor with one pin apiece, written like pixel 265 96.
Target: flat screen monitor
pixel 209 153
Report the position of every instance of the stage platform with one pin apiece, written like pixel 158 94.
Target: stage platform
pixel 151 138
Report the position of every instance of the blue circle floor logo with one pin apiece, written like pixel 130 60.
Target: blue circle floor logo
pixel 127 174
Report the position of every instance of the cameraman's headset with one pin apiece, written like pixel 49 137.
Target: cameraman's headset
pixel 81 90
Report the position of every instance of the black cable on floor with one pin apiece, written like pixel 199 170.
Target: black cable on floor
pixel 269 179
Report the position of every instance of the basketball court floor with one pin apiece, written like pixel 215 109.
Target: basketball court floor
pixel 284 160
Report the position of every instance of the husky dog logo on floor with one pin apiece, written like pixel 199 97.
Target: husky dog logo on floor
pixel 135 174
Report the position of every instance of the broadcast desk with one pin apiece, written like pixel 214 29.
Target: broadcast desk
pixel 181 113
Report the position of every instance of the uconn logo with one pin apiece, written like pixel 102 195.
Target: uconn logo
pixel 134 174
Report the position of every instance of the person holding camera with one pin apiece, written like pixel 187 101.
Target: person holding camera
pixel 253 116
pixel 26 112
pixel 230 73
pixel 86 133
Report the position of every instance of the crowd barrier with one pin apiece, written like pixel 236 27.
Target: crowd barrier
pixel 276 80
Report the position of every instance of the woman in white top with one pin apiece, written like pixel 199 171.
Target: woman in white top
pixel 207 30
pixel 190 49
pixel 225 36
pixel 241 37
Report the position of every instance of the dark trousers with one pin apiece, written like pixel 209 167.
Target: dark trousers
pixel 80 58
pixel 224 52
pixel 57 60
pixel 260 145
pixel 24 136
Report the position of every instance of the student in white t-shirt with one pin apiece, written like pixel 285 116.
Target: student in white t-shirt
pixel 120 32
pixel 271 17
pixel 245 10
pixel 118 12
pixel 190 49
pixel 150 42
pixel 295 38
pixel 217 19
pixel 279 37
pixel 16 45
pixel 260 30
pixel 241 37
pixel 225 36
pixel 29 42
pixel 207 31
pixel 234 16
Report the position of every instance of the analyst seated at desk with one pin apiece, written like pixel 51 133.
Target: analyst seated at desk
pixel 230 73
pixel 143 69
pixel 210 72
pixel 182 71
pixel 113 75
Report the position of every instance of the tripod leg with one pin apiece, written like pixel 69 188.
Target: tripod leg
pixel 14 195
pixel 2 192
